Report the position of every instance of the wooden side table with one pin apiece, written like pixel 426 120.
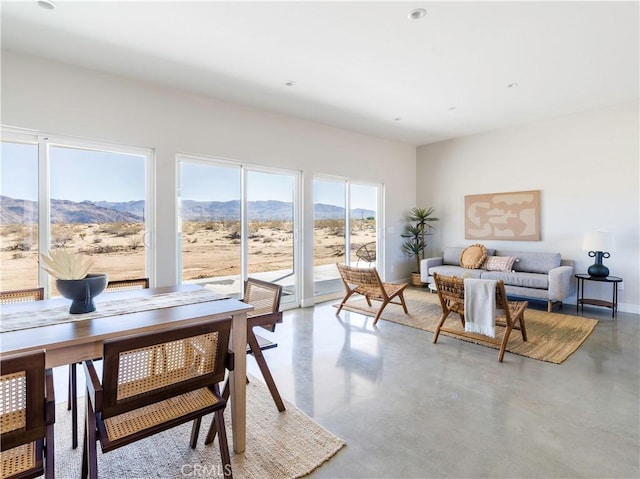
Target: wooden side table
pixel 581 300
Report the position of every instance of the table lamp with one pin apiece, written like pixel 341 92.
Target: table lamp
pixel 598 244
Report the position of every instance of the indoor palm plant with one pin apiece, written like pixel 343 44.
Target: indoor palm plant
pixel 415 231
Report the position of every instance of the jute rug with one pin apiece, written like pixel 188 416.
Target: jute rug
pixel 279 445
pixel 551 337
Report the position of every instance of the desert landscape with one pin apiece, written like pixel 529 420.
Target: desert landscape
pixel 210 249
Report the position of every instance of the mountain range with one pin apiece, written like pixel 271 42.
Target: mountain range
pixel 16 211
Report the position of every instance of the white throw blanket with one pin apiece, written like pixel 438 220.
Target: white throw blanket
pixel 480 306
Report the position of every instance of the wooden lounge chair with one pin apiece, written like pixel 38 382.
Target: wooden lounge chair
pixel 366 253
pixel 509 314
pixel 154 382
pixel 27 413
pixel 367 282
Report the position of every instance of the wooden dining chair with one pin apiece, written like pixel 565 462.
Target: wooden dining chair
pixel 509 314
pixel 367 282
pixel 27 416
pixel 117 285
pixel 265 299
pixel 154 382
pixel 21 295
pixel 127 284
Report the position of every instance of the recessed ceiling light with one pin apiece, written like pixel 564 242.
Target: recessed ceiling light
pixel 397 118
pixel 451 108
pixel 417 13
pixel 512 85
pixel 289 83
pixel 46 4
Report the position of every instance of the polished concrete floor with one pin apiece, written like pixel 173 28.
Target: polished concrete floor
pixel 410 409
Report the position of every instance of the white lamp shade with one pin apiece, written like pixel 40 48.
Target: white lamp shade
pixel 598 241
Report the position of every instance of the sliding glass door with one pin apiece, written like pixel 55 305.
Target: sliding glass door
pixel 210 230
pixel 336 203
pixel 78 196
pixel 270 229
pixel 237 221
pixel 19 225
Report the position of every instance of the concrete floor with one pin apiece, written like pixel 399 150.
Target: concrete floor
pixel 408 408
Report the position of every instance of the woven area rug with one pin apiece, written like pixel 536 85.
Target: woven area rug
pixel 551 337
pixel 279 445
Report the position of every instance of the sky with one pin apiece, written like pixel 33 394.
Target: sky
pixel 79 175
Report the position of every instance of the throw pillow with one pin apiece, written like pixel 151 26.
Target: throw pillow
pixel 500 263
pixel 473 256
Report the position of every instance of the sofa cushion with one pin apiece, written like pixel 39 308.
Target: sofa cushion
pixel 533 261
pixel 473 256
pixel 451 255
pixel 499 263
pixel 459 271
pixel 524 280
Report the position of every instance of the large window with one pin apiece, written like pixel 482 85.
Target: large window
pixel 68 194
pixel 337 203
pixel 19 219
pixel 236 221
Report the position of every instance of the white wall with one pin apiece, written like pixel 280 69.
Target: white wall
pixel 64 100
pixel 587 168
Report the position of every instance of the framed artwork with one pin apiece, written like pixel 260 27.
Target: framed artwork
pixel 503 216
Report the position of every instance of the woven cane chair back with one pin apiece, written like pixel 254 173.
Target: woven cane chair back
pixel 147 369
pixel 21 295
pixel 263 296
pixel 128 284
pixel 265 299
pixel 27 414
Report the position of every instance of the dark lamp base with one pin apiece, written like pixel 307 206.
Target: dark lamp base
pixel 598 270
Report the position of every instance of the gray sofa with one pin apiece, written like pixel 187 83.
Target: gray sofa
pixel 535 275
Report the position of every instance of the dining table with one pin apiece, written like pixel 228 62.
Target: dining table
pixel 69 339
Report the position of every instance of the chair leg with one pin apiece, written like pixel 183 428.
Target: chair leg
pixel 382 306
pixel 195 431
pixel 72 367
pixel 523 331
pixel 404 305
pixel 213 429
pixel 436 333
pixel 344 300
pixel 264 369
pixel 73 402
pixel 50 470
pixel 89 450
pixel 224 445
pixel 505 340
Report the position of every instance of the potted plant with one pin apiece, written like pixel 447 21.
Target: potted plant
pixel 417 228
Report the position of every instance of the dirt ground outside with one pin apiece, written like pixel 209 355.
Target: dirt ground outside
pixel 209 249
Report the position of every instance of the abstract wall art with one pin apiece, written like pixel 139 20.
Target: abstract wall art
pixel 503 216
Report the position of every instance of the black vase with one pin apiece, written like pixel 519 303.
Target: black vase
pixel 82 291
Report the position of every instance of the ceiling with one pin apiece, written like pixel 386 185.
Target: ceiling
pixel 464 68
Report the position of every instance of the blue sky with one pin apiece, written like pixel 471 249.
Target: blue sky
pixel 78 175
